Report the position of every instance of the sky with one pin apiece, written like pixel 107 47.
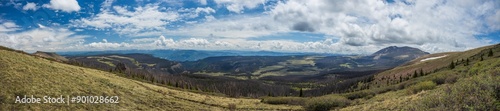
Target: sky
pixel 320 26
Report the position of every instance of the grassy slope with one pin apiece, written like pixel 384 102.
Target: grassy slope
pixel 21 74
pixel 430 65
pixel 466 87
pixel 476 88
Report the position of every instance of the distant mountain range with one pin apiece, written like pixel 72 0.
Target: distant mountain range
pixel 252 65
pixel 189 55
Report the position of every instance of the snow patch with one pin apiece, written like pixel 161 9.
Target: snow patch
pixel 432 58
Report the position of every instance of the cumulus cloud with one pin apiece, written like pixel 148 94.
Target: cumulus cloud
pixel 45 39
pixel 376 22
pixel 237 6
pixel 203 2
pixel 207 10
pixel 105 46
pixel 130 22
pixel 63 5
pixel 30 6
pixel 235 27
pixel 357 26
pixel 8 26
pixel 322 46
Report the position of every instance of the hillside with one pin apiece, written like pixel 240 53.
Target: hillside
pixel 450 85
pixel 22 74
pixel 51 55
pixel 471 84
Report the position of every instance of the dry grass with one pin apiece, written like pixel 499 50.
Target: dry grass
pixel 474 87
pixel 21 74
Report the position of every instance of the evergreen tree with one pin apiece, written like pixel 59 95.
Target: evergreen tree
pixel 415 74
pixel 301 93
pixel 452 65
pixel 421 72
pixel 400 79
pixel 490 53
pixel 481 58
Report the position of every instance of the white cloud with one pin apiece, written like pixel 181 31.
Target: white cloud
pixel 105 46
pixel 358 26
pixel 64 5
pixel 237 6
pixel 232 27
pixel 8 27
pixel 494 20
pixel 448 25
pixel 130 22
pixel 44 39
pixel 30 6
pixel 203 2
pixel 206 10
pixel 324 46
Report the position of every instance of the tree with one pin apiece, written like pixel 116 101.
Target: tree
pixel 481 58
pixel 421 72
pixel 452 65
pixel 490 53
pixel 415 74
pixel 301 93
pixel 400 78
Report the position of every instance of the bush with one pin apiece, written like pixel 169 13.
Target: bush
pixel 231 107
pixel 439 79
pixel 2 99
pixel 325 103
pixel 426 85
pixel 451 78
pixel 359 94
pixel 284 100
pixel 476 93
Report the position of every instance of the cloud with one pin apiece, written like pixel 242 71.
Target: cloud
pixel 142 19
pixel 421 23
pixel 207 10
pixel 231 27
pixel 303 26
pixel 203 2
pixel 45 39
pixel 105 46
pixel 64 5
pixel 237 6
pixel 8 27
pixel 30 6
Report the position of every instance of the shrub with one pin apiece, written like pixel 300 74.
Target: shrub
pixel 2 99
pixel 231 107
pixel 325 103
pixel 284 100
pixel 426 85
pixel 439 79
pixel 451 78
pixel 476 93
pixel 359 94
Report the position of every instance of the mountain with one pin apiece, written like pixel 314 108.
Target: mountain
pixel 394 52
pixel 51 55
pixel 273 68
pixel 187 55
pixel 22 75
pixel 443 81
pixel 130 62
pixel 446 81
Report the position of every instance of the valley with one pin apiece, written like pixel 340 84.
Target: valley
pixel 390 76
